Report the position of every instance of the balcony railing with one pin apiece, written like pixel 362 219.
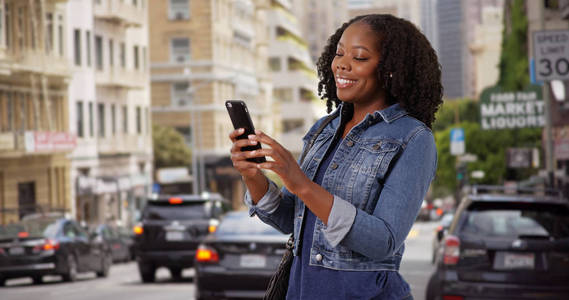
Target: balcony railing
pixel 124 144
pixel 119 11
pixel 120 77
pixel 39 62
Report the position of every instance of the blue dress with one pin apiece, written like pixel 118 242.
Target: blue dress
pixel 314 282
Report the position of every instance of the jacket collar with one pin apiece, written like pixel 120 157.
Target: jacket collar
pixel 389 114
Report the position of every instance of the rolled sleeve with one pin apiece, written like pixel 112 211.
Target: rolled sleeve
pixel 268 204
pixel 340 221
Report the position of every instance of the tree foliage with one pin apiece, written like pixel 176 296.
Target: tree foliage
pixel 170 149
pixel 514 66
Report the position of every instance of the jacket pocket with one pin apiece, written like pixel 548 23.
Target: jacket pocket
pixel 368 171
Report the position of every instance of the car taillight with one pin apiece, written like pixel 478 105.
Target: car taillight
pixel 439 228
pixel 138 229
pixel 23 234
pixel 205 254
pixel 50 245
pixel 451 251
pixel 174 200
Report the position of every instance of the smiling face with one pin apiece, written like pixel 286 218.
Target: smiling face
pixel 355 67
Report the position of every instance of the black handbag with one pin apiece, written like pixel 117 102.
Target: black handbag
pixel 278 285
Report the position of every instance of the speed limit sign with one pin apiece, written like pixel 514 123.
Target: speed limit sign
pixel 551 52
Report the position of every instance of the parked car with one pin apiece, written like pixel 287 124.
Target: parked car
pixel 50 244
pixel 502 246
pixel 119 244
pixel 440 232
pixel 127 235
pixel 239 259
pixel 170 230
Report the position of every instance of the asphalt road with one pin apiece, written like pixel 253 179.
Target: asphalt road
pixel 124 283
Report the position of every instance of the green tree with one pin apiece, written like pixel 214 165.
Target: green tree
pixel 514 66
pixel 170 149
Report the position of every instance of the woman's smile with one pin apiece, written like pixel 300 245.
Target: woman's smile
pixel 344 83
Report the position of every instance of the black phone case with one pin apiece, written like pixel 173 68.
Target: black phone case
pixel 240 118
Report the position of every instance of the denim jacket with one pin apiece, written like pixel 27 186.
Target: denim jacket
pixel 372 213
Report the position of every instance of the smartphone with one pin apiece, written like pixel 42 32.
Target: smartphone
pixel 240 118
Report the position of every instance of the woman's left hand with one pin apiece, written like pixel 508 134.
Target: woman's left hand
pixel 284 164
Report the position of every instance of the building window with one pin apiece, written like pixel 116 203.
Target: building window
pixel 125 119
pixel 77 42
pixel 146 121
pixel 49 33
pixel 99 52
pixel 20 37
pixel 8 19
pixel 60 34
pixel 138 120
pixel 180 50
pixel 91 120
pixel 88 37
pixel 79 113
pixel 2 43
pixel 180 97
pixel 179 10
pixel 123 55
pixel 275 64
pixel 144 61
pixel 136 58
pixel 101 114
pixel 113 119
pixel 111 53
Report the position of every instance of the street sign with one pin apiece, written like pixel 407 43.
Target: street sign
pixel 551 53
pixel 457 141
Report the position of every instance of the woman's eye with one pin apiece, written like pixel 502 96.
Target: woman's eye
pixel 360 58
pixel 339 54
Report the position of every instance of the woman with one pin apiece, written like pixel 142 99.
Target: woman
pixel 355 197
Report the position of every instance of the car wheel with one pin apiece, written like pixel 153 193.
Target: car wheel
pixel 2 281
pixel 71 273
pixel 147 272
pixel 432 289
pixel 37 279
pixel 106 262
pixel 176 273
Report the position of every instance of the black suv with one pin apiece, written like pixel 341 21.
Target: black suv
pixel 504 246
pixel 170 230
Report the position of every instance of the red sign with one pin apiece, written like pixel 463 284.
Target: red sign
pixel 50 141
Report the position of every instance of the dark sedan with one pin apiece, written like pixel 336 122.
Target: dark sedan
pixel 119 244
pixel 50 245
pixel 238 260
pixel 503 246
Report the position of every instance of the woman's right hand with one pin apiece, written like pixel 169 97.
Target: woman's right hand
pixel 247 169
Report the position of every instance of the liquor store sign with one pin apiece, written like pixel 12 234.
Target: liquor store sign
pixel 508 110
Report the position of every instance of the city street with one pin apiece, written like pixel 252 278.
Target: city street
pixel 124 283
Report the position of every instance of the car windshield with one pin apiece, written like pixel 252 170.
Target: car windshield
pixel 183 211
pixel 518 220
pixel 233 224
pixel 41 227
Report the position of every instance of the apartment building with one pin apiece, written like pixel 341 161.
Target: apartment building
pixel 109 104
pixel 295 81
pixel 203 53
pixel 34 135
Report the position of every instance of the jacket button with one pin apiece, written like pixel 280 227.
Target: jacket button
pixel 350 143
pixel 318 257
pixel 334 166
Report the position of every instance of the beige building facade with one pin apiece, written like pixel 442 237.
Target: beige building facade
pixel 109 107
pixel 203 53
pixel 34 116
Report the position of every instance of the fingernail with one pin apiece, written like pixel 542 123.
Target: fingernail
pixel 253 142
pixel 251 136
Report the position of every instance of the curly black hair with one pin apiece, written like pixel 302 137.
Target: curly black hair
pixel 406 55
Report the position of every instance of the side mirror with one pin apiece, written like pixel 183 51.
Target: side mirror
pixel 441 234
